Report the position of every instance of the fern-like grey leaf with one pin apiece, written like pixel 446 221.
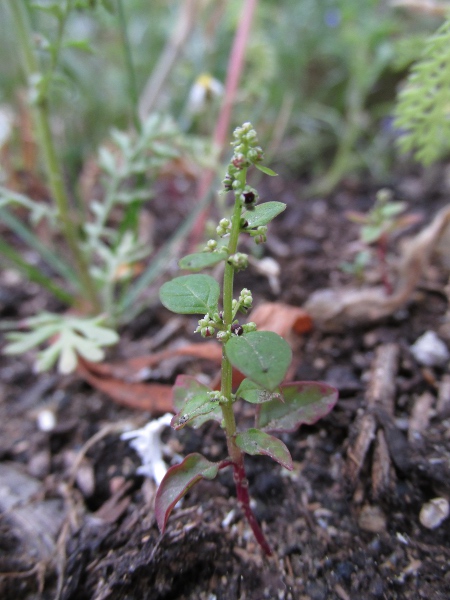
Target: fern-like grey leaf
pixel 423 108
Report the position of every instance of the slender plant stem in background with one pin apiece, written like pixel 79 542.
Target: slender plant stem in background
pixel 34 274
pixel 234 72
pixel 132 83
pixel 186 21
pixel 45 139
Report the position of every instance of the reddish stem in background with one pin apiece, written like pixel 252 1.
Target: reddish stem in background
pixel 234 70
pixel 382 258
pixel 243 496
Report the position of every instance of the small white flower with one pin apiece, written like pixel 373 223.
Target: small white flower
pixel 147 443
pixel 204 89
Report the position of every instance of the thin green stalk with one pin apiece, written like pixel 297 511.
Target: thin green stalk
pixel 45 139
pixel 132 84
pixel 129 305
pixel 26 235
pixel 33 273
pixel 227 371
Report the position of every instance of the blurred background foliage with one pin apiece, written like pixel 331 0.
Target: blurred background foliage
pixel 319 84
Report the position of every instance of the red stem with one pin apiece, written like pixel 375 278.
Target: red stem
pixel 234 70
pixel 243 496
pixel 382 258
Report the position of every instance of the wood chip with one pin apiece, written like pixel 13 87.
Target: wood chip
pixel 420 416
pixel 381 467
pixel 443 402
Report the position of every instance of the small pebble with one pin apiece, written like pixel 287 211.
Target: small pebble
pixel 434 512
pixel 372 519
pixel 429 350
pixel 46 420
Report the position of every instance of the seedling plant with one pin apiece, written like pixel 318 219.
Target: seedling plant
pixel 377 227
pixel 263 357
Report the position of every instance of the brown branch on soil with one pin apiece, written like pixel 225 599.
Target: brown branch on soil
pixel 380 396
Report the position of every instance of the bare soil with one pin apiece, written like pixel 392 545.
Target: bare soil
pixel 77 523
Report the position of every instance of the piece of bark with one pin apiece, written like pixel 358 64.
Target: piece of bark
pixel 356 453
pixel 382 387
pixel 396 441
pixel 380 395
pixel 443 402
pixel 381 467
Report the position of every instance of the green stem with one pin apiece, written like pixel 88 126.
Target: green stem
pixel 45 139
pixel 134 96
pixel 227 370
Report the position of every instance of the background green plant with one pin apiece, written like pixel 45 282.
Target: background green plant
pixel 423 108
pixel 87 62
pixel 304 81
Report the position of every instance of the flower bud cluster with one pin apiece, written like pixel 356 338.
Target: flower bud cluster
pixel 248 197
pixel 245 298
pixel 238 261
pixel 248 327
pixel 223 227
pixel 217 397
pixel 260 234
pixel 206 326
pixel 246 153
pixel 223 336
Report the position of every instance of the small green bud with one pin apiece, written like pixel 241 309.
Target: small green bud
pixel 245 298
pixel 248 327
pixel 223 336
pixel 239 261
pixel 223 227
pixel 260 234
pixel 211 245
pixel 384 196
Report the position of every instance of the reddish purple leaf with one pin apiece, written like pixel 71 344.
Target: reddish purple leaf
pixel 305 402
pixel 254 441
pixel 178 481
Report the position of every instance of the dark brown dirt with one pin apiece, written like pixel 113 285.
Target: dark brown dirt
pixel 332 539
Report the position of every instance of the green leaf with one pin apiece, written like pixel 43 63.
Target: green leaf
pixel 23 341
pixel 194 405
pixel 191 295
pixel 262 356
pixel 255 441
pixel 201 260
pixel 53 8
pixel 266 170
pixel 178 481
pixel 255 394
pixel 82 45
pixel 371 233
pixel 262 214
pixel 305 402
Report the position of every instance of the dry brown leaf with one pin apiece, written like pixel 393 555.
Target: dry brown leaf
pixel 155 398
pixel 281 318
